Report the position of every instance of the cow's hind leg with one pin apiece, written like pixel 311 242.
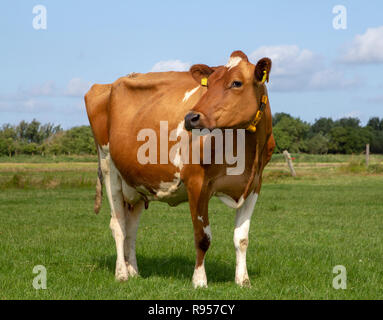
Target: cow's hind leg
pixel 118 226
pixel 132 217
pixel 113 188
pixel 241 239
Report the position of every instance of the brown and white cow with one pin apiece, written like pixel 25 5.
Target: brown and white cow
pixel 122 116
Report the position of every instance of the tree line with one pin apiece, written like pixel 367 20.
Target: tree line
pixel 34 138
pixel 325 135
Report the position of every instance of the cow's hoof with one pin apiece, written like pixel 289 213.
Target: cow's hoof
pixel 132 271
pixel 199 281
pixel 199 277
pixel 122 277
pixel 199 284
pixel 121 273
pixel 244 283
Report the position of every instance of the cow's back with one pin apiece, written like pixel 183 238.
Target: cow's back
pixel 98 97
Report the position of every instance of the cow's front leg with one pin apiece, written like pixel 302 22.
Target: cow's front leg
pixel 241 239
pixel 198 201
pixel 132 217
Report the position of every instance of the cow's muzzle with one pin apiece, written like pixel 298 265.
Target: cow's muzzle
pixel 192 121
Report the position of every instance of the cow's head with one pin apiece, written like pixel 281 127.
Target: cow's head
pixel 233 95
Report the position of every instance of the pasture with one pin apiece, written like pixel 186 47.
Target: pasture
pixel 330 214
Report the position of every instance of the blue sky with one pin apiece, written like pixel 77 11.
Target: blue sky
pixel 317 71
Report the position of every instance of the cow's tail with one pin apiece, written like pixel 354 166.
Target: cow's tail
pixel 99 184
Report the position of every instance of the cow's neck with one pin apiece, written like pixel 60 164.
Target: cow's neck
pixel 261 143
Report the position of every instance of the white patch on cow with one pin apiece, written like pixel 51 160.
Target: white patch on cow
pixel 189 93
pixel 229 201
pixel 241 238
pixel 180 128
pixel 233 62
pixel 199 277
pixel 112 175
pixel 167 188
pixel 177 160
pixel 200 218
pixel 207 231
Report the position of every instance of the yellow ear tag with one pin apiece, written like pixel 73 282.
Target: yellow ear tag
pixel 264 76
pixel 204 82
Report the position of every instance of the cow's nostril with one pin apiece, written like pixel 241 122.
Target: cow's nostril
pixel 194 118
pixel 191 120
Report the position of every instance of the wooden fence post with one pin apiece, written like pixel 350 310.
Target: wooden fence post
pixel 367 154
pixel 289 162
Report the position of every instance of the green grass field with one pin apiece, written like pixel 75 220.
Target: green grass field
pixel 302 227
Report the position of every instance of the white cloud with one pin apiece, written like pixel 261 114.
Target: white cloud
pixel 365 48
pixel 171 65
pixel 288 60
pixel 77 87
pixel 300 70
pixel 331 78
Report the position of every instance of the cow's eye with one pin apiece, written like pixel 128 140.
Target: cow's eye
pixel 236 84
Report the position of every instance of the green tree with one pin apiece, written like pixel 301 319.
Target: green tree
pixel 77 140
pixel 349 139
pixel 32 134
pixel 376 126
pixel 30 148
pixel 322 125
pixel 347 123
pixel 290 134
pixel 376 144
pixel 279 116
pixel 318 144
pixel 375 123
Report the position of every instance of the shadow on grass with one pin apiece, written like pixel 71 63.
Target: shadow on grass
pixel 177 266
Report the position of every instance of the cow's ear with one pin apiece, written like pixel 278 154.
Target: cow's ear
pixel 200 72
pixel 262 70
